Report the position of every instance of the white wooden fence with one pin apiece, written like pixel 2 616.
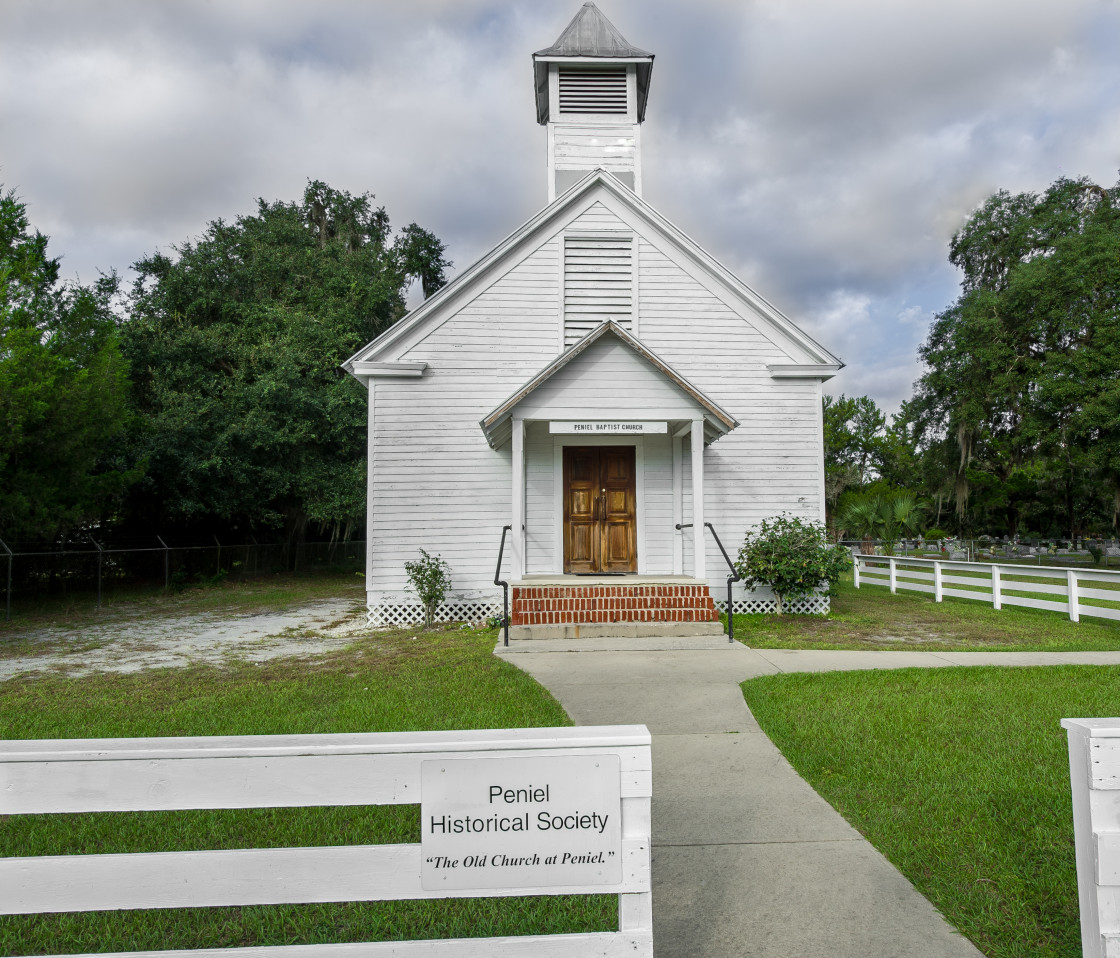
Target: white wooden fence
pixel 1094 771
pixel 104 775
pixel 999 584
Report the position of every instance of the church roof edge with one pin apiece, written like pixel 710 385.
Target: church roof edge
pixel 590 34
pixel 379 349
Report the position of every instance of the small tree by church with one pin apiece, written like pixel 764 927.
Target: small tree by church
pixel 430 578
pixel 791 556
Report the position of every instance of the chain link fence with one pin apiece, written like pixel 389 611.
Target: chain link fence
pixel 94 567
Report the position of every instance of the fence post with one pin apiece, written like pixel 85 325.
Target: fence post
pixel 855 570
pixel 938 594
pixel 1092 754
pixel 166 565
pixel 100 556
pixel 894 581
pixel 1071 585
pixel 997 599
pixel 219 572
pixel 8 590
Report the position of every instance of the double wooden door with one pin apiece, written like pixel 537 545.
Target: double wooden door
pixel 600 514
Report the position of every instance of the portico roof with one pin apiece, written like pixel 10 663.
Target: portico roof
pixel 717 421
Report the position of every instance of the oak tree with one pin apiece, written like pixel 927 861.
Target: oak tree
pixel 236 341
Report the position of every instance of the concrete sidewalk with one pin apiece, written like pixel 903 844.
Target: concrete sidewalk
pixel 747 858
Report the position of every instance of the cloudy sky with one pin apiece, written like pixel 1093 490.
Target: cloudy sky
pixel 824 150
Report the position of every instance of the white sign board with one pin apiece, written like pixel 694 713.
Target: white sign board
pixel 520 822
pixel 603 427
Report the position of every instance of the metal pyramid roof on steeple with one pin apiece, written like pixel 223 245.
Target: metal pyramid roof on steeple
pixel 591 35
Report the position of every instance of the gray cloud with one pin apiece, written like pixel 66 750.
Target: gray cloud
pixel 825 151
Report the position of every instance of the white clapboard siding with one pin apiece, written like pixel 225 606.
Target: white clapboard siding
pixel 426 433
pixel 657 459
pixel 598 283
pixel 241 771
pixel 585 148
pixel 597 217
pixel 541 496
pixel 773 461
pixel 629 388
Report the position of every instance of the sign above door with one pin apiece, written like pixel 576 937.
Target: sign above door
pixel 605 427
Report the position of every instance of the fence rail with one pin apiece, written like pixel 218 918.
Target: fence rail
pixel 267 771
pixel 1089 592
pixel 1035 552
pixel 95 566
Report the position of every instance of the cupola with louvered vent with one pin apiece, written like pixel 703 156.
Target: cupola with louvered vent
pixel 592 86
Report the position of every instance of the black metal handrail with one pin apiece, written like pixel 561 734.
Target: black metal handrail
pixel 734 577
pixel 503 583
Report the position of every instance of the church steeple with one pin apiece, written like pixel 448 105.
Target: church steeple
pixel 592 86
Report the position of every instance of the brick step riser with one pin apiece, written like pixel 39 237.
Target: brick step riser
pixel 553 605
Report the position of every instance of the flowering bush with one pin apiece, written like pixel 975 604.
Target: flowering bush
pixel 791 556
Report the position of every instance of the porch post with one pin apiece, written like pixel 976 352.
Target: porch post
pixel 678 502
pixel 699 570
pixel 517 500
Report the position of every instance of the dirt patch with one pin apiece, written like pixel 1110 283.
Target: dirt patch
pixel 191 639
pixel 913 639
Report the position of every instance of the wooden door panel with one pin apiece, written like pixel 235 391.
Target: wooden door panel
pixel 618 548
pixel 582 503
pixel 617 464
pixel 581 525
pixel 618 551
pixel 600 514
pixel 618 503
pixel 581 551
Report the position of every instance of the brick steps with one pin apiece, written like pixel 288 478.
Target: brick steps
pixel 604 604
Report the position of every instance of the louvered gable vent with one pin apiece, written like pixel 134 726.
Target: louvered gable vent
pixel 600 90
pixel 598 284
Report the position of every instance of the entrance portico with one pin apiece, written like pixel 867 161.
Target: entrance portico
pixel 606 449
pixel 664 489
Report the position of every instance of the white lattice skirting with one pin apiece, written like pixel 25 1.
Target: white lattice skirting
pixel 405 612
pixel 454 610
pixel 812 605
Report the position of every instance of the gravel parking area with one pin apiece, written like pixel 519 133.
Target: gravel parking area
pixel 187 639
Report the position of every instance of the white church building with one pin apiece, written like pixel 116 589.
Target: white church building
pixel 598 384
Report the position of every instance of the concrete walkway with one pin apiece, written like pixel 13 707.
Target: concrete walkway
pixel 747 858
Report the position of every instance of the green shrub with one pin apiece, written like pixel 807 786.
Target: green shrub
pixel 430 578
pixel 791 556
pixel 932 534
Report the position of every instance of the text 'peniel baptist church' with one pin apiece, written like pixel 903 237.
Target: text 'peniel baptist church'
pixel 597 382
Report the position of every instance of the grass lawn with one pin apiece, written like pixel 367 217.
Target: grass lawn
pixel 872 618
pixel 387 681
pixel 960 777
